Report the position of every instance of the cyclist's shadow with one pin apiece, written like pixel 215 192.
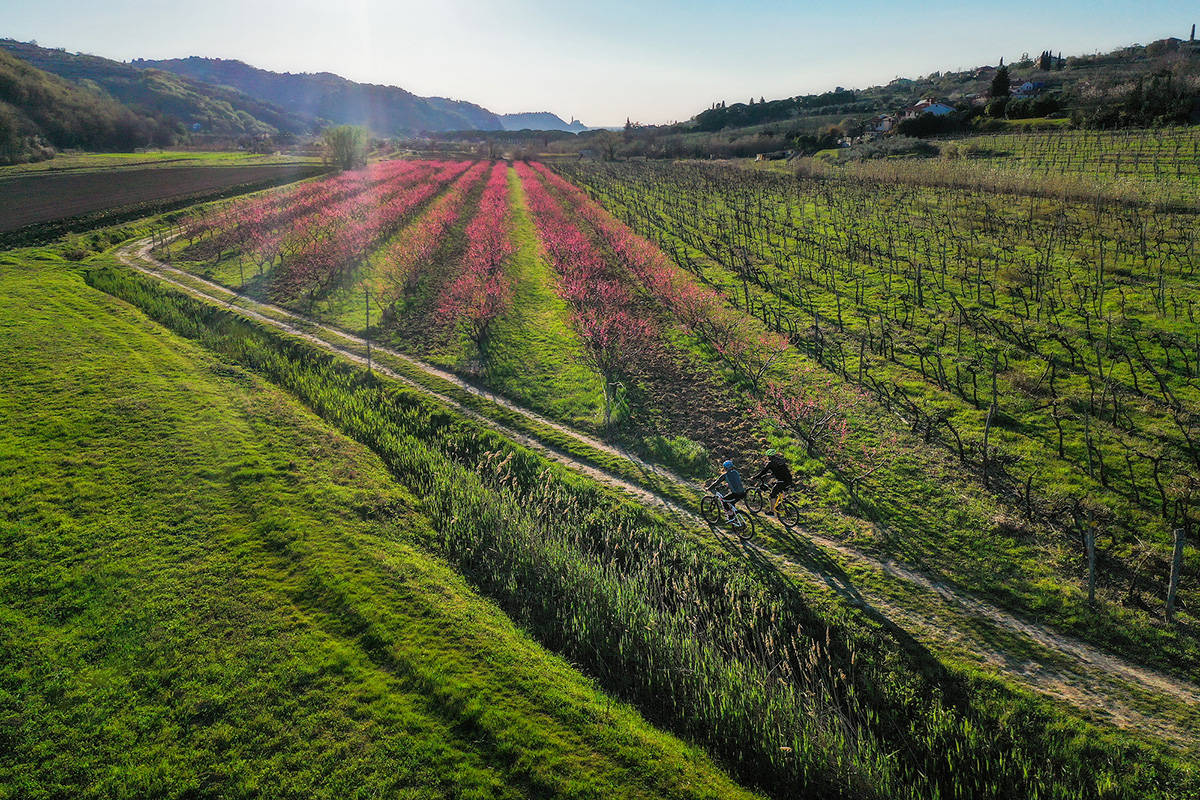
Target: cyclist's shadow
pixel 798 551
pixel 807 555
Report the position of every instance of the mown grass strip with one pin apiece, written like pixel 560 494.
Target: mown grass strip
pixel 206 591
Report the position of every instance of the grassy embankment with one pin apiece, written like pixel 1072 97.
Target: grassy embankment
pixel 206 589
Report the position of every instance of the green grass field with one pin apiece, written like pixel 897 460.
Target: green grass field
pixel 206 591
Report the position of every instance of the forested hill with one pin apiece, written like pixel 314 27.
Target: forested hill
pixel 1097 89
pixel 39 111
pixel 386 110
pixel 177 102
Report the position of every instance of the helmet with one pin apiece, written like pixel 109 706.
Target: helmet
pixel 728 465
pixel 771 452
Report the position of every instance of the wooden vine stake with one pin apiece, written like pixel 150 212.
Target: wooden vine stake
pixel 1090 538
pixel 1176 568
pixel 367 330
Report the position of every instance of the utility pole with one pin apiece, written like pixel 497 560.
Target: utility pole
pixel 1176 568
pixel 367 331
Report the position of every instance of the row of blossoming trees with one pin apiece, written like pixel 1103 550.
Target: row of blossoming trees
pixel 482 292
pixel 398 217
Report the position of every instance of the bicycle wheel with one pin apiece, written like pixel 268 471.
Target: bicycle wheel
pixel 743 524
pixel 788 513
pixel 755 500
pixel 710 509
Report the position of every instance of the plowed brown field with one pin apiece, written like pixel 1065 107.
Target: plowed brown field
pixel 33 199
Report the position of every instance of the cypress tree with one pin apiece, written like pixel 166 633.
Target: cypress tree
pixel 1000 86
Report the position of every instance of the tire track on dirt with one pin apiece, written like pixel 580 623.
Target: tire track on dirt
pixel 1095 683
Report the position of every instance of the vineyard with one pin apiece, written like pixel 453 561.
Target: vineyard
pixel 998 391
pixel 1150 168
pixel 1162 154
pixel 1051 349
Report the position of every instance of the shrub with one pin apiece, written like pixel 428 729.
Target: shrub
pixel 679 453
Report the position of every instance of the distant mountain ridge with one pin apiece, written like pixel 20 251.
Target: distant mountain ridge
pixel 386 110
pixel 540 121
pixel 225 97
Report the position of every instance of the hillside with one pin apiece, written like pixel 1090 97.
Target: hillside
pixel 179 104
pixel 1138 86
pixel 202 98
pixel 386 110
pixel 40 111
pixel 540 121
pixel 1082 83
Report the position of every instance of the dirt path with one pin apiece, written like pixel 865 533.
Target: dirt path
pixel 1052 663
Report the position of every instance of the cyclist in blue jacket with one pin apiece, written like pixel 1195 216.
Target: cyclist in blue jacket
pixel 737 490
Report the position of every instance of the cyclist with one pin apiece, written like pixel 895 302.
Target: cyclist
pixel 777 467
pixel 737 490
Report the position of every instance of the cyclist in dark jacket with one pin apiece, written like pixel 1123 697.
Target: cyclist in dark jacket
pixel 737 490
pixel 777 467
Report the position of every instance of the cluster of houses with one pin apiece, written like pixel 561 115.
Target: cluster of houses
pixel 884 123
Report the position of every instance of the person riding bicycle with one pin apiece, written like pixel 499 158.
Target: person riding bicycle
pixel 777 467
pixel 737 490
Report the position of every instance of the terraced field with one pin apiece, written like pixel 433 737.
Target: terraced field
pixel 1170 154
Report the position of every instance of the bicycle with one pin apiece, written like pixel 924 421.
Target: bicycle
pixel 713 509
pixel 759 497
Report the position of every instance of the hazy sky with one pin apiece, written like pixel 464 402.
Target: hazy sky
pixel 599 60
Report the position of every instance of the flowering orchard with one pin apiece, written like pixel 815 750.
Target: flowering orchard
pixel 402 259
pixel 311 237
pixel 431 242
pixel 482 292
pixel 603 304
